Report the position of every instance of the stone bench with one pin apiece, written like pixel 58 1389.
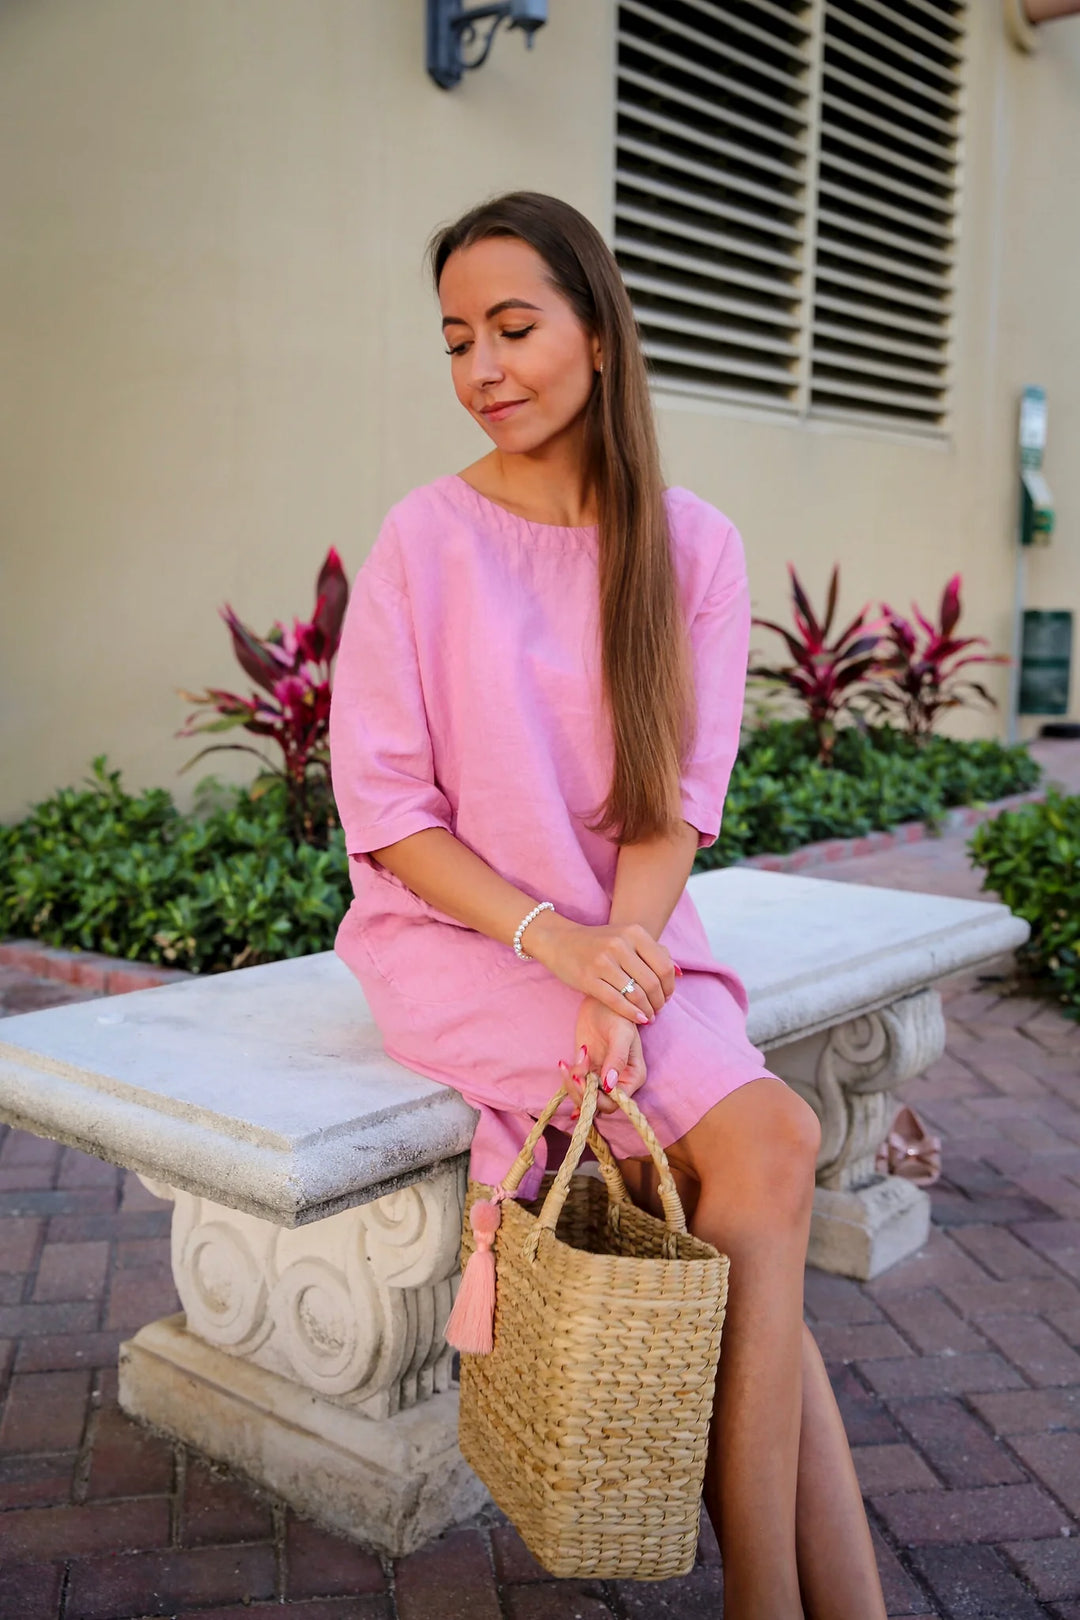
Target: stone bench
pixel 317 1185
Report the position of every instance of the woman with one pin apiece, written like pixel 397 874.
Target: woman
pixel 537 704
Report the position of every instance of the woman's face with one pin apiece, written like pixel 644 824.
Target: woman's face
pixel 522 363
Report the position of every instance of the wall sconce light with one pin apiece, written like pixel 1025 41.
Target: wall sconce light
pixel 454 29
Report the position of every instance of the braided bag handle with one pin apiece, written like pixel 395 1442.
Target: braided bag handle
pixel 585 1131
pixel 669 1193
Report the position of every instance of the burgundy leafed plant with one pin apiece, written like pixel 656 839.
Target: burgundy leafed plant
pixel 824 676
pixel 292 709
pixel 919 670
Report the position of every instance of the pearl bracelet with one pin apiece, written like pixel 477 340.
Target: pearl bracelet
pixel 523 956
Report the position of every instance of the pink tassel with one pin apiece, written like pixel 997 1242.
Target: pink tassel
pixel 472 1319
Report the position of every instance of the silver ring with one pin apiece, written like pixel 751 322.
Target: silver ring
pixel 627 987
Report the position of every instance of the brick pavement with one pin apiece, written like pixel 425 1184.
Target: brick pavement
pixel 958 1373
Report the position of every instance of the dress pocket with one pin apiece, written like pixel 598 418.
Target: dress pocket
pixel 425 955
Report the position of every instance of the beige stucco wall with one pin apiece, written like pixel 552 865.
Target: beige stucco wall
pixel 218 355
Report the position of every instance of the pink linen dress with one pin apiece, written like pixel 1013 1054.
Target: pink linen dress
pixel 467 696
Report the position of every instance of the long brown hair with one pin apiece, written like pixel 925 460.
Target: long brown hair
pixel 643 641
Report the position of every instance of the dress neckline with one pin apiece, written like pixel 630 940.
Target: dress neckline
pixel 503 514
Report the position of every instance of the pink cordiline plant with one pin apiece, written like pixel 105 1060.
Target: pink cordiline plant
pixel 918 675
pixel 293 669
pixel 825 677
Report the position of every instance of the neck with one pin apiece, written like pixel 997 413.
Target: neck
pixel 547 485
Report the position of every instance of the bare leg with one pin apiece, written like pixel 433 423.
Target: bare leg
pixel 779 1486
pixel 837 1566
pixel 753 1159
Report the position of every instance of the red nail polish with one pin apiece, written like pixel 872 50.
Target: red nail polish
pixel 576 1114
pixel 564 1067
pixel 582 1054
pixel 678 970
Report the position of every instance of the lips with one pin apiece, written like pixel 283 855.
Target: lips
pixel 500 409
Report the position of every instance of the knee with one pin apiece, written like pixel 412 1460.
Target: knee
pixel 800 1130
pixel 765 1187
pixel 788 1156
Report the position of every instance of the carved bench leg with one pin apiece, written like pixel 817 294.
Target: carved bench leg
pixel 313 1359
pixel 863 1222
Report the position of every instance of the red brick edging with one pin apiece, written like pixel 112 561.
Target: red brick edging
pixel 909 832
pixel 111 975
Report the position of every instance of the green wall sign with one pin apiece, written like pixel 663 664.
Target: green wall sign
pixel 1045 663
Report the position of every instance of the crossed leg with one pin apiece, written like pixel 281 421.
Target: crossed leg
pixel 780 1485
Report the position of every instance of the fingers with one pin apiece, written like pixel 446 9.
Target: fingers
pixel 572 1079
pixel 604 1105
pixel 632 1077
pixel 634 955
pixel 574 1083
pixel 627 1079
pixel 623 1066
pixel 658 959
pixel 614 1052
pixel 614 1064
pixel 606 990
pixel 611 1047
pixel 631 1069
pixel 648 995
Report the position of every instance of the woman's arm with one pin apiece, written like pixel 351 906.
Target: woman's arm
pixel 597 961
pixel 650 877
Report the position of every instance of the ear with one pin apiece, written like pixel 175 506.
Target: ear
pixel 597 355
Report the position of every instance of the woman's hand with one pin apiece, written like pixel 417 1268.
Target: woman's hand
pixel 601 961
pixel 608 1043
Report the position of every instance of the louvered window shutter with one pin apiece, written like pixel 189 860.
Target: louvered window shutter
pixel 785 210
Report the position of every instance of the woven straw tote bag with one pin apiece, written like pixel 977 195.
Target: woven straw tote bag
pixel 589 1419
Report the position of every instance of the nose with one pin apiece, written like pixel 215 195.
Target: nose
pixel 485 369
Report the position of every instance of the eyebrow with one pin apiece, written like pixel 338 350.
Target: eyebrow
pixel 490 314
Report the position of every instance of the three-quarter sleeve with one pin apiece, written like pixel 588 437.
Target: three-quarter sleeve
pixel 380 745
pixel 719 641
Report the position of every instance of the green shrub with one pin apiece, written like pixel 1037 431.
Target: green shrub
pixel 1031 857
pixel 102 869
pixel 127 874
pixel 781 796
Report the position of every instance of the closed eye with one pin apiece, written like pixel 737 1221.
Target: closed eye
pixel 518 332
